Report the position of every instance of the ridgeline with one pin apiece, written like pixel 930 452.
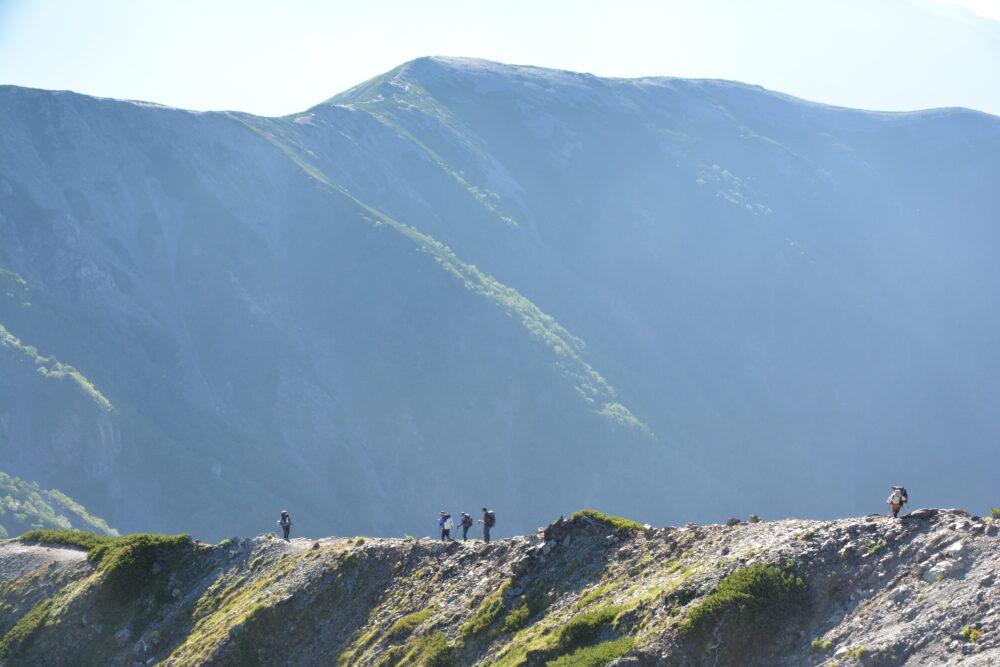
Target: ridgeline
pixel 589 590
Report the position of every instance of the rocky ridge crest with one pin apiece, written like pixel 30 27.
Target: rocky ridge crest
pixel 590 589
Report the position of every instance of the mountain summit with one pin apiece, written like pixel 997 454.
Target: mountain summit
pixel 465 284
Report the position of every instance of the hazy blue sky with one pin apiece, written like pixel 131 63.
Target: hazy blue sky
pixel 275 57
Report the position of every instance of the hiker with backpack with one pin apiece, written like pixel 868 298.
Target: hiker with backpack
pixel 489 520
pixel 285 521
pixel 444 521
pixel 897 499
pixel 466 523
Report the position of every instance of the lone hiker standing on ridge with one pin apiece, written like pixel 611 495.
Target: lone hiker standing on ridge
pixel 466 524
pixel 489 520
pixel 897 499
pixel 285 522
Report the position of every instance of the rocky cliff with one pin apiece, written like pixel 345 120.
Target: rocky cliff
pixel 589 590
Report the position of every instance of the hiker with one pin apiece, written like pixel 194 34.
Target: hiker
pixel 897 499
pixel 489 520
pixel 446 525
pixel 285 522
pixel 466 524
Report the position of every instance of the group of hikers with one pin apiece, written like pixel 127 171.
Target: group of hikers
pixel 896 500
pixel 446 524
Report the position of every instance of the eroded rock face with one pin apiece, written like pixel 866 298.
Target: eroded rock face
pixel 371 601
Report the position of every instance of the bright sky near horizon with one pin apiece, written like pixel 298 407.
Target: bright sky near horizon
pixel 273 58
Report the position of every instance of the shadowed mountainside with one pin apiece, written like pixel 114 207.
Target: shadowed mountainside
pixel 466 283
pixel 25 506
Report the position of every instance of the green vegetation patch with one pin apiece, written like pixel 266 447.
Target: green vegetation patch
pixel 22 632
pixel 995 513
pixel 597 655
pixel 490 610
pixel 753 602
pixel 69 538
pixel 402 628
pixel 126 561
pixel 971 633
pixel 619 524
pixel 51 367
pixel 820 645
pixel 517 619
pixel 527 607
pixel 585 628
pixel 25 506
pixel 593 594
pixel 873 548
pixel 432 650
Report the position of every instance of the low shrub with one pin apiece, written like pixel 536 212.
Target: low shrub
pixel 618 523
pixel 22 631
pixel 529 605
pixel 753 603
pixel 578 642
pixel 402 628
pixel 516 619
pixel 596 655
pixel 126 561
pixel 584 628
pixel 431 651
pixel 68 538
pixel 489 612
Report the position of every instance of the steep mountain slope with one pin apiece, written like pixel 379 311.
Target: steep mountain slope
pixel 25 506
pixel 470 283
pixel 583 591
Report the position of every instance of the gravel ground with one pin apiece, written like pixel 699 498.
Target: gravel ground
pixel 17 560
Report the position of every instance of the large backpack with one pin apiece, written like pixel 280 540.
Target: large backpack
pixel 903 498
pixel 492 518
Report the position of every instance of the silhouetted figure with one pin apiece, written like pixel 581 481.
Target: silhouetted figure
pixel 466 523
pixel 285 522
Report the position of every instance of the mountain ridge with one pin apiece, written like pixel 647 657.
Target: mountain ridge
pixel 775 292
pixel 591 589
pixel 486 65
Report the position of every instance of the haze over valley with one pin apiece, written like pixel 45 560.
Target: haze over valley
pixel 466 283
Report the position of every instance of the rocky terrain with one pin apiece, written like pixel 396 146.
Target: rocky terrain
pixel 588 590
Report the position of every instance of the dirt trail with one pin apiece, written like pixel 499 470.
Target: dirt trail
pixel 17 560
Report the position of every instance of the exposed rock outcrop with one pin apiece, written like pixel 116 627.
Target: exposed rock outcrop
pixel 600 590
